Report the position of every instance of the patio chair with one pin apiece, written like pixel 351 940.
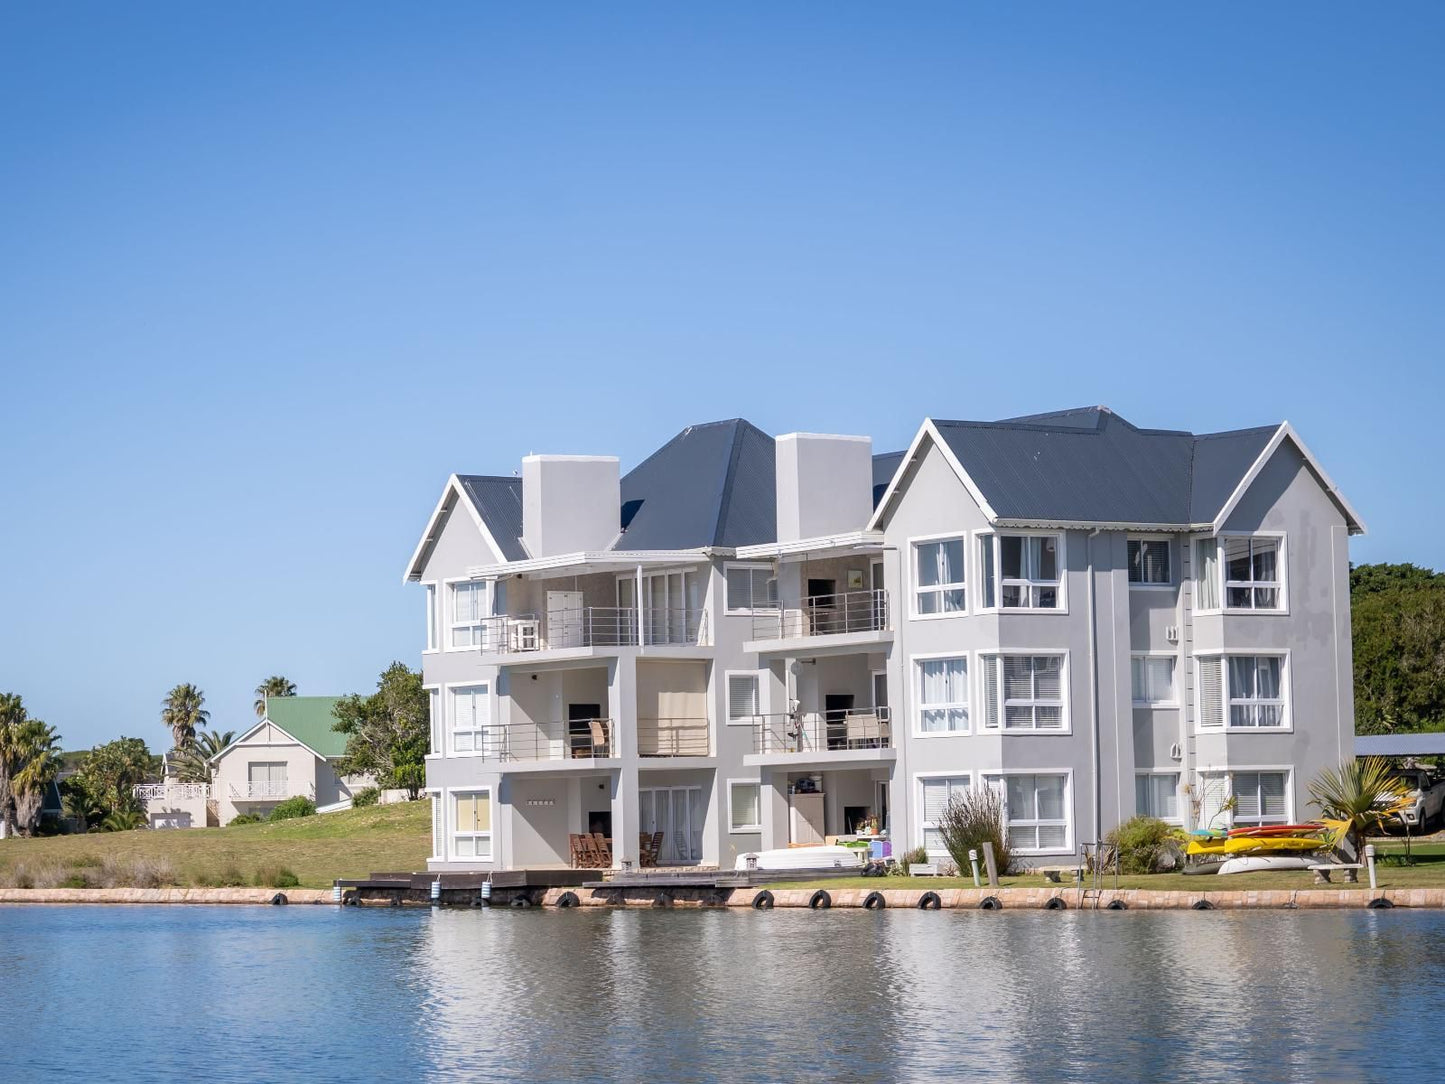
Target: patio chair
pixel 861 731
pixel 604 850
pixel 599 737
pixel 656 847
pixel 587 847
pixel 645 857
pixel 578 856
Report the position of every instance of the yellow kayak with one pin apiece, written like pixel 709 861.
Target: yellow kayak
pixel 1268 844
pixel 1208 845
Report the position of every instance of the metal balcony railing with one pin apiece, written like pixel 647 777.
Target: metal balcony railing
pixel 566 739
pixel 171 792
pixel 817 731
pixel 590 626
pixel 825 615
pixel 270 790
pixel 673 738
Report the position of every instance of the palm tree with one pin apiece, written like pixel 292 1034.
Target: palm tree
pixel 39 764
pixel 1356 796
pixel 12 718
pixel 182 711
pixel 193 765
pixel 275 685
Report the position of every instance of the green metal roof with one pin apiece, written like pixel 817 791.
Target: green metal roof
pixel 308 719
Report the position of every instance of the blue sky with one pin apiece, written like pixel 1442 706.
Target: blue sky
pixel 268 273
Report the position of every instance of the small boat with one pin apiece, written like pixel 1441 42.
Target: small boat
pixel 1276 830
pixel 1205 845
pixel 804 858
pixel 1265 844
pixel 1260 863
pixel 1204 867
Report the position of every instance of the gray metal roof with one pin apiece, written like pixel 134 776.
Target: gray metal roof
pixel 711 485
pixel 885 466
pixel 1399 745
pixel 498 500
pixel 1089 465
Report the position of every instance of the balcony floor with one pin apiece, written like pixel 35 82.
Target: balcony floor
pixel 842 643
pixel 820 758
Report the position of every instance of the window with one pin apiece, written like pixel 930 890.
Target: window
pixel 1152 679
pixel 937 793
pixel 471 712
pixel 751 587
pixel 745 806
pixel 434 718
pixel 1253 573
pixel 938 572
pixel 943 695
pixel 431 617
pixel 1036 811
pixel 472 825
pixel 1260 797
pixel 1026 569
pixel 1243 691
pixel 1149 561
pixel 267 779
pixel 1025 692
pixel 1156 794
pixel 743 698
pixel 469 612
pixel 438 827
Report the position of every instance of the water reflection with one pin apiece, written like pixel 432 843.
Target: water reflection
pixel 259 994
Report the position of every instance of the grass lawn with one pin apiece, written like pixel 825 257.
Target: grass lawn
pixel 1427 872
pixel 352 843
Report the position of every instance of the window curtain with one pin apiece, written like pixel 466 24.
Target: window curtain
pixel 943 682
pixel 1206 563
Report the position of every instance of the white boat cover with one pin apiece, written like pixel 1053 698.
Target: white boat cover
pixel 805 858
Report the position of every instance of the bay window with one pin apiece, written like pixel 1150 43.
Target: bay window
pixel 1022 572
pixel 471 710
pixel 1240 573
pixel 472 824
pixel 1036 811
pixel 943 695
pixel 468 615
pixel 1024 692
pixel 939 575
pixel 1260 798
pixel 1243 691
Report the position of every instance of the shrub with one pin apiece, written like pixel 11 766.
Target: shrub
pixel 903 860
pixel 245 818
pixel 300 806
pixel 971 819
pixel 366 796
pixel 1146 845
pixel 82 861
pixel 76 879
pixel 276 877
pixel 123 820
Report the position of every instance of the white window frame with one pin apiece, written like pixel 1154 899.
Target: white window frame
pixel 438 824
pixel 750 720
pixel 995 658
pixel 1173 657
pixel 916 676
pixel 1179 803
pixel 432 596
pixel 938 589
pixel 1287 770
pixel 988 778
pixel 1221 585
pixel 1169 584
pixel 755 566
pixel 452 793
pixel 449 694
pixel 752 829
pixel 996 572
pixel 451 624
pixel 1227 699
pixel 436 721
pixel 925 826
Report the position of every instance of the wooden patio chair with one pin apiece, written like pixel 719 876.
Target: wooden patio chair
pixel 591 859
pixel 577 857
pixel 604 850
pixel 656 847
pixel 645 857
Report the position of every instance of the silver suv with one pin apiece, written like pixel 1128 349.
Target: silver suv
pixel 1425 795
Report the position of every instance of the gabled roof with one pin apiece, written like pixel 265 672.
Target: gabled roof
pixel 1090 466
pixel 711 485
pixel 885 466
pixel 308 719
pixel 498 501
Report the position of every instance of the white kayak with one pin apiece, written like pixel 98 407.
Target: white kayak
pixel 804 858
pixel 1259 863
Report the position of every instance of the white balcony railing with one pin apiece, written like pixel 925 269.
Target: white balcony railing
pixel 823 731
pixel 825 615
pixel 591 626
pixel 270 790
pixel 172 792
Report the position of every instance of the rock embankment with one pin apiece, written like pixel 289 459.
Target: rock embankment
pixel 163 895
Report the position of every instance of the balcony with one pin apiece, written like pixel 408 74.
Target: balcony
pixel 851 613
pixel 171 792
pixel 591 627
pixel 557 740
pixel 812 733
pixel 673 738
pixel 270 790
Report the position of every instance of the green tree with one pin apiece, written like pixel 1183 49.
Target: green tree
pixel 29 763
pixel 1397 615
pixel 1357 795
pixel 12 717
pixel 388 733
pixel 194 765
pixel 275 685
pixel 104 784
pixel 183 711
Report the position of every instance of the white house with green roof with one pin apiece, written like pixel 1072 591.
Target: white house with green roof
pixel 292 752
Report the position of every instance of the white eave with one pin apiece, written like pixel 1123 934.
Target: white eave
pixel 849 540
pixel 1353 523
pixel 452 494
pixel 592 561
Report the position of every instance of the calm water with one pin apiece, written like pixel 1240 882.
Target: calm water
pixel 322 994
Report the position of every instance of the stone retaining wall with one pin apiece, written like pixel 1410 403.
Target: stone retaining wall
pixel 162 895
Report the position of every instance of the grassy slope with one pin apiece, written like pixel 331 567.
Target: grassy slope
pixel 317 849
pixel 1428 872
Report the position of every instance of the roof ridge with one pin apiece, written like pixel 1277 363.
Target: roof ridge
pixel 734 453
pixel 493 477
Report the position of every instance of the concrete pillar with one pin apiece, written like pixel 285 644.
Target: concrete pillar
pixel 626 806
pixel 774 792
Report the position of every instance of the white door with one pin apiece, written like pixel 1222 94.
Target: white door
pixel 564 619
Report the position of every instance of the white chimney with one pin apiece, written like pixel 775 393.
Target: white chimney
pixel 825 485
pixel 569 503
